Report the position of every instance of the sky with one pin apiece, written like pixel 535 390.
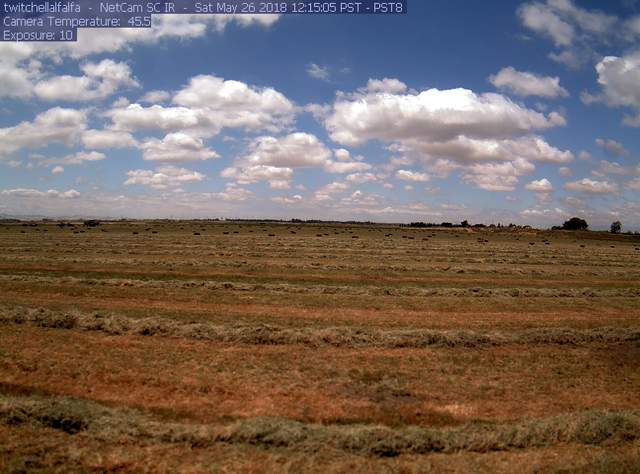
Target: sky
pixel 502 111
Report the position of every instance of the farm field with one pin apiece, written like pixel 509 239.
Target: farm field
pixel 159 346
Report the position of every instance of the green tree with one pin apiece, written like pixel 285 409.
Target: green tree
pixel 616 227
pixel 575 223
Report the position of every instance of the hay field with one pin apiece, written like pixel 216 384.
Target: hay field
pixel 235 347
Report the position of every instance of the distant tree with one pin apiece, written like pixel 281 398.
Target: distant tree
pixel 616 227
pixel 446 224
pixel 464 224
pixel 575 223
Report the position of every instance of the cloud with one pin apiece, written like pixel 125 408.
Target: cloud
pixel 465 150
pixel 399 162
pixel 176 148
pixel 319 111
pixel 358 198
pixel 234 104
pixel 360 178
pixel 570 58
pixel 318 72
pixel 572 29
pixel 336 187
pixel 342 155
pixel 554 213
pixel 34 193
pixel 17 82
pixel 563 22
pixel 431 116
pixel 274 175
pixel 390 86
pixel 107 139
pixel 447 130
pixel 297 150
pixel 80 158
pixel 407 175
pixel 196 201
pixel 279 184
pixel 232 193
pixel 135 117
pixel 57 170
pixel 565 171
pixel 155 96
pixel 575 202
pixel 280 155
pixel 345 167
pixel 12 163
pixel 205 106
pixel 545 21
pixel 619 80
pixel 163 177
pixel 540 186
pixel 497 177
pixel 612 147
pixel 590 21
pixel 56 125
pixel 634 184
pixel 295 199
pixel 527 84
pixel 100 81
pixel 590 186
pixel 610 167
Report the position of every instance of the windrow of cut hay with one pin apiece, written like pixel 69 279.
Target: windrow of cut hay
pixel 76 416
pixel 344 336
pixel 414 266
pixel 346 290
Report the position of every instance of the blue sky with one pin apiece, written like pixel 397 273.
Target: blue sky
pixel 502 111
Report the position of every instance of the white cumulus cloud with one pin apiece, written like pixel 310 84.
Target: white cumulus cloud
pixel 176 148
pixel 540 186
pixel 527 84
pixel 590 186
pixel 407 175
pixel 163 177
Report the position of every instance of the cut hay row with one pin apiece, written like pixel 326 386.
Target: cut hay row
pixel 348 337
pixel 415 265
pixel 347 290
pixel 77 416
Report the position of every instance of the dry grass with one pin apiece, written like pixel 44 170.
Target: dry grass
pixel 36 449
pixel 329 336
pixel 203 380
pixel 221 347
pixel 73 416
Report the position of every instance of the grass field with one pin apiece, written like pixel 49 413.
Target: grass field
pixel 224 347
